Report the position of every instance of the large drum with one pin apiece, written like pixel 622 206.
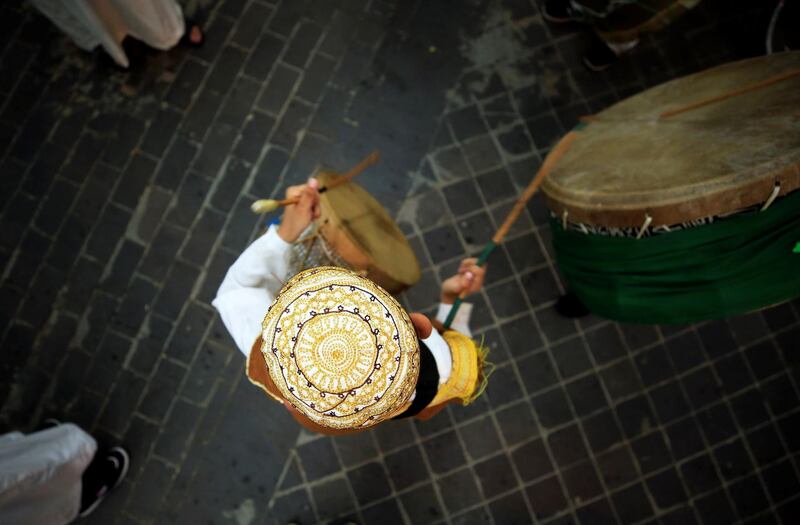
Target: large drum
pixel 355 232
pixel 680 203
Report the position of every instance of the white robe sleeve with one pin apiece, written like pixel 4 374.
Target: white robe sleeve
pixel 461 321
pixel 250 287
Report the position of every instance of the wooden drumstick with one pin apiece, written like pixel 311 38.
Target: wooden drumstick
pixel 268 205
pixel 547 166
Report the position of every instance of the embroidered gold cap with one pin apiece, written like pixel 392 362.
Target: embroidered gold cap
pixel 340 349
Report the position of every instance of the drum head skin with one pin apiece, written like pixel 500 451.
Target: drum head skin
pixel 360 231
pixel 628 162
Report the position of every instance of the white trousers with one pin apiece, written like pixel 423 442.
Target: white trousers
pixel 40 475
pixel 157 23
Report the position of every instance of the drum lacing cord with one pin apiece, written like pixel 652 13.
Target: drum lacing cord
pixel 309 245
pixel 775 192
pixel 647 220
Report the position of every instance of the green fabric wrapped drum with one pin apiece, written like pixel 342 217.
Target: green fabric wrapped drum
pixel 682 203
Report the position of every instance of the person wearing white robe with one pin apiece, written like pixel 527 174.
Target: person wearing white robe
pixel 106 23
pixel 259 273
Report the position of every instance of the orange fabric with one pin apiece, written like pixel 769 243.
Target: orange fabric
pixel 459 387
pixel 257 373
pixel 464 376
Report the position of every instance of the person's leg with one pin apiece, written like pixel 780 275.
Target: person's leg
pixel 104 473
pixel 617 26
pixel 556 11
pixel 195 36
pixel 569 306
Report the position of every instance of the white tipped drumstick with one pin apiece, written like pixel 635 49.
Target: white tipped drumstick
pixel 268 205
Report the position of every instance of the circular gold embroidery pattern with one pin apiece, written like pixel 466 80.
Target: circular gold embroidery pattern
pixel 340 348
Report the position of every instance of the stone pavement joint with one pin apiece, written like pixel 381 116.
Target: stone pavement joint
pixel 124 198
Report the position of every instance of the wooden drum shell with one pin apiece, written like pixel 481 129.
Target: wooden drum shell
pixel 629 162
pixel 358 230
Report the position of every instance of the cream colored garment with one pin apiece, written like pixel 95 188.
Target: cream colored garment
pixel 92 23
pixel 40 475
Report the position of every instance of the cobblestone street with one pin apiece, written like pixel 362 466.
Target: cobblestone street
pixel 125 196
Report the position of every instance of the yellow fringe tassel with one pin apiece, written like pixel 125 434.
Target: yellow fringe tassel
pixel 486 369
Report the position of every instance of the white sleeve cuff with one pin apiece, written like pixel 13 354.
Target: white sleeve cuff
pixel 461 321
pixel 270 242
pixel 441 354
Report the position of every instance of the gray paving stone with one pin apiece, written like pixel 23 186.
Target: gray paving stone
pixel 301 44
pixel 176 290
pixel 546 498
pixel 264 56
pixel 356 448
pixel 176 161
pixel 315 78
pixel 480 438
pixel 295 506
pixel 278 89
pixel 251 24
pixel 387 512
pixel 254 137
pixel 134 307
pixel 369 483
pixel 509 509
pixel 406 467
pixel 102 192
pixel 160 131
pixel 295 118
pixel 517 423
pixel 495 475
pixel 318 458
pixel 332 498
pixel 444 452
pixel 421 505
pixel 178 430
pixel 241 95
pixel 167 378
pixel 126 393
pixel 148 494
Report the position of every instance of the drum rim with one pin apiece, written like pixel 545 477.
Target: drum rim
pixel 711 197
pixel 373 265
pixel 678 210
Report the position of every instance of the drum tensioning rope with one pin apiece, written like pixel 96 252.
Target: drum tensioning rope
pixel 563 146
pixel 725 268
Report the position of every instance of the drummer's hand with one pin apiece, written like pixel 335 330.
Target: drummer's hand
pixel 297 217
pixel 469 279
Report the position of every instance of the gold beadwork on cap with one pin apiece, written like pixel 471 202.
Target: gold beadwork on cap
pixel 340 349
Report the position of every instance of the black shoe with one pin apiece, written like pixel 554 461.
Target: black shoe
pixel 569 306
pixel 101 477
pixel 556 11
pixel 599 56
